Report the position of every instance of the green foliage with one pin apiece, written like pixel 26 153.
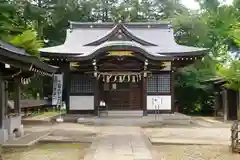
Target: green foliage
pixel 27 40
pixel 232 75
pixel 10 22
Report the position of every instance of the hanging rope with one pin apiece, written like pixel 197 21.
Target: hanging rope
pixel 122 76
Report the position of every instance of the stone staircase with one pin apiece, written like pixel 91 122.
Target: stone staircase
pixel 126 113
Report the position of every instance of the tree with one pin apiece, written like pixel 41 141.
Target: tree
pixel 28 40
pixel 10 22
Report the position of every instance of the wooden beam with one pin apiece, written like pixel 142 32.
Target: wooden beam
pixel 15 63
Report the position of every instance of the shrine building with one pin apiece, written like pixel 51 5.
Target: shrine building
pixel 16 69
pixel 126 65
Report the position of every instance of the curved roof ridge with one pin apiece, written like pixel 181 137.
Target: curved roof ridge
pixel 112 32
pixel 117 45
pixel 154 24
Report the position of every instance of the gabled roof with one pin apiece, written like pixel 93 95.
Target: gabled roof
pixel 120 30
pixel 10 54
pixel 157 39
pixel 118 45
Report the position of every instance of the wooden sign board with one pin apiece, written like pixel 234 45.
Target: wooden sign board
pixel 120 53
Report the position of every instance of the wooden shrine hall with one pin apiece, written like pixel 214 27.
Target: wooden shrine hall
pixel 226 100
pixel 129 66
pixel 16 67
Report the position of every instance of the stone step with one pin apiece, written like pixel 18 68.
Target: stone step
pixel 126 113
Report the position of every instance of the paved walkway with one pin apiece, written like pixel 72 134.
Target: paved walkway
pixel 196 135
pixel 119 143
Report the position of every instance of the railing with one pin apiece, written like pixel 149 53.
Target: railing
pixel 235 144
pixel 30 106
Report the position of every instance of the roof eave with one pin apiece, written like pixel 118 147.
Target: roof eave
pixel 25 58
pixel 114 46
pixel 46 67
pixel 200 53
pixel 58 55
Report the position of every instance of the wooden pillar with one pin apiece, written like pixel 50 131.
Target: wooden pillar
pixel 6 98
pixel 17 95
pixel 65 69
pixel 216 103
pixel 2 100
pixel 96 95
pixel 225 104
pixel 144 96
pixel 172 91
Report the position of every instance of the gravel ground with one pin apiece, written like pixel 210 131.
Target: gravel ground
pixel 195 152
pixel 47 152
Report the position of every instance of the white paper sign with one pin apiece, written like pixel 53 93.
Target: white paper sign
pixel 57 89
pixel 156 101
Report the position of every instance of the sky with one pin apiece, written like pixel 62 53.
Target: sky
pixel 194 5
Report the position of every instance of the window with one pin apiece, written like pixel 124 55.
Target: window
pixel 159 83
pixel 81 84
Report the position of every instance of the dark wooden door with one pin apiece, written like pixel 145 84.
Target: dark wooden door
pixel 135 96
pixel 123 96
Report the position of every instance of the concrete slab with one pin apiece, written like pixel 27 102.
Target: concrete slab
pixel 27 140
pixel 150 120
pixel 174 141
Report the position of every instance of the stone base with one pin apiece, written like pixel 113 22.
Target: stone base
pixel 3 136
pixel 20 132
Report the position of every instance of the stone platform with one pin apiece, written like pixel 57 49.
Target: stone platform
pixel 143 121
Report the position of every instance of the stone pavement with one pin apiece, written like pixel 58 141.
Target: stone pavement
pixel 198 135
pixel 119 143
